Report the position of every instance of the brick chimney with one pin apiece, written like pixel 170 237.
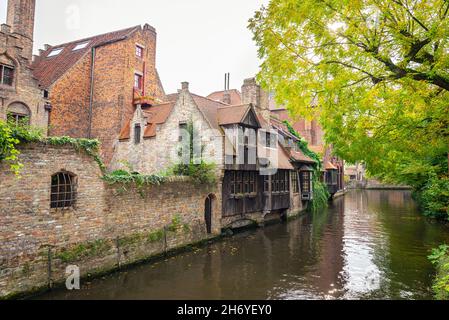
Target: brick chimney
pixel 253 93
pixel 226 98
pixel 20 17
pixel 185 86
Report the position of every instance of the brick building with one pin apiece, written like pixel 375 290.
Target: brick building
pixel 95 83
pixel 21 98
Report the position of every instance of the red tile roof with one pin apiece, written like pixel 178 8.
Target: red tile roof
pixel 155 115
pixel 330 166
pixel 236 97
pixel 49 69
pixel 233 114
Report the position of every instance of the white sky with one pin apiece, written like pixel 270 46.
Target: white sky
pixel 198 40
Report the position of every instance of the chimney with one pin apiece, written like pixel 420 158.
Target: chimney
pixel 20 17
pixel 185 86
pixel 227 98
pixel 253 93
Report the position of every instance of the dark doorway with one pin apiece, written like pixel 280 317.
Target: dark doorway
pixel 208 213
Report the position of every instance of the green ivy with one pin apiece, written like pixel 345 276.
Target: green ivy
pixel 12 134
pixel 320 191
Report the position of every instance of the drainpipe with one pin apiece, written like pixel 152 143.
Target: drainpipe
pixel 92 70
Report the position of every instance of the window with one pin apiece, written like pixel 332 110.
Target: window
pixel 243 182
pixel 306 182
pixel 138 81
pixel 18 114
pixel 137 133
pixel 55 52
pixel 139 51
pixel 63 191
pixel 80 46
pixel 266 184
pixel 295 183
pixel 252 182
pixel 6 75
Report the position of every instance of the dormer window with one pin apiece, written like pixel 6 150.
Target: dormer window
pixel 139 51
pixel 6 75
pixel 80 46
pixel 55 52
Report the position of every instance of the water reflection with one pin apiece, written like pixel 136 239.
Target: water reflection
pixel 367 245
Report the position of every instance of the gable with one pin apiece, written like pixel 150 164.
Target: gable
pixel 251 119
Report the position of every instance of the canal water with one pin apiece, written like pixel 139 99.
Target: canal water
pixel 366 245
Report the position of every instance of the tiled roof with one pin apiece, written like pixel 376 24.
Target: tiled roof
pixel 330 166
pixel 156 115
pixel 301 157
pixel 49 69
pixel 236 97
pixel 283 159
pixel 232 114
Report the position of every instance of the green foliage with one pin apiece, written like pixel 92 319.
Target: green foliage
pixel 90 146
pixel 84 250
pixel 156 236
pixel 374 73
pixel 320 195
pixel 202 174
pixel 434 198
pixel 440 258
pixel 126 178
pixel 11 135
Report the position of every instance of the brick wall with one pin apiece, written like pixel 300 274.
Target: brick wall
pixel 115 66
pixel 110 226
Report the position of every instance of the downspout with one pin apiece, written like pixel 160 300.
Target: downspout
pixel 92 69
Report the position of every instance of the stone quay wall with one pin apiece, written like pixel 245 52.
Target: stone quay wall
pixel 110 226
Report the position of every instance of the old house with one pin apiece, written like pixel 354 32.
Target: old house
pixel 95 83
pixel 21 98
pixel 310 130
pixel 255 170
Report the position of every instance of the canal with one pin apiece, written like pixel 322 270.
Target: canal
pixel 366 245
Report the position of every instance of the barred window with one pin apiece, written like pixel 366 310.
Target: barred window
pixel 63 190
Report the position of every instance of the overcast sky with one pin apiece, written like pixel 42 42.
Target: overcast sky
pixel 198 40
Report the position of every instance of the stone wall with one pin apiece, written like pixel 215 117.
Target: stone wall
pixel 15 51
pixel 110 226
pixel 156 154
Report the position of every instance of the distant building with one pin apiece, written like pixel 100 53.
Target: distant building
pixel 95 84
pixel 21 98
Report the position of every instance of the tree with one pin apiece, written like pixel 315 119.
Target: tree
pixel 375 72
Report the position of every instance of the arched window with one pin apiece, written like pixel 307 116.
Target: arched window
pixel 63 190
pixel 18 113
